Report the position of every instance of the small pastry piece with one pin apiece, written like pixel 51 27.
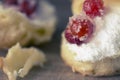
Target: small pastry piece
pixel 91 42
pixel 19 61
pixel 26 22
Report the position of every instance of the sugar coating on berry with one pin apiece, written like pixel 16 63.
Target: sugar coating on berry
pixel 93 8
pixel 79 29
pixel 69 36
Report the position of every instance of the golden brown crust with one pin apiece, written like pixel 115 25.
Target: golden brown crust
pixel 105 67
pixel 77 5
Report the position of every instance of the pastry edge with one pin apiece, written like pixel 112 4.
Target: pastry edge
pixel 104 67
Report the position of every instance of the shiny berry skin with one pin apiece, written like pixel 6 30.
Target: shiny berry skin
pixel 93 8
pixel 79 30
pixel 27 8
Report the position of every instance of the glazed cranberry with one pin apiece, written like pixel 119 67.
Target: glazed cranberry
pixel 11 2
pixel 79 30
pixel 27 8
pixel 93 7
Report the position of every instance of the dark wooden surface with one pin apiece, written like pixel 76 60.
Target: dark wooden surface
pixel 55 69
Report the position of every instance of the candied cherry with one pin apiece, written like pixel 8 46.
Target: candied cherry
pixel 93 8
pixel 28 8
pixel 79 29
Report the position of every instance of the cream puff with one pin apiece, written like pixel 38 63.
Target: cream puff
pixel 91 43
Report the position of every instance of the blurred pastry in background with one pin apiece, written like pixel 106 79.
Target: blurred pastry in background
pixel 26 21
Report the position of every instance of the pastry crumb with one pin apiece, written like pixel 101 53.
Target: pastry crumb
pixel 19 61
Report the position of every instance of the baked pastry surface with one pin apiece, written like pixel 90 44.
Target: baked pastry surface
pixel 100 55
pixel 104 67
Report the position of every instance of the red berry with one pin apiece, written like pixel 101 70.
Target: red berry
pixel 79 29
pixel 69 36
pixel 27 8
pixel 93 7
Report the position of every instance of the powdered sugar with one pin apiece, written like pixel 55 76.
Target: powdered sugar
pixel 105 42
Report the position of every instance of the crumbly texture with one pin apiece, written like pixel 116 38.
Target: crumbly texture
pixel 104 67
pixel 19 61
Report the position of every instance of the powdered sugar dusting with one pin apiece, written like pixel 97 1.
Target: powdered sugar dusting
pixel 106 40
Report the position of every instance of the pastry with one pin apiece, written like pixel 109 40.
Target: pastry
pixel 26 22
pixel 91 43
pixel 19 61
pixel 77 5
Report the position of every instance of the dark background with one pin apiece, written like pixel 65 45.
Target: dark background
pixel 63 10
